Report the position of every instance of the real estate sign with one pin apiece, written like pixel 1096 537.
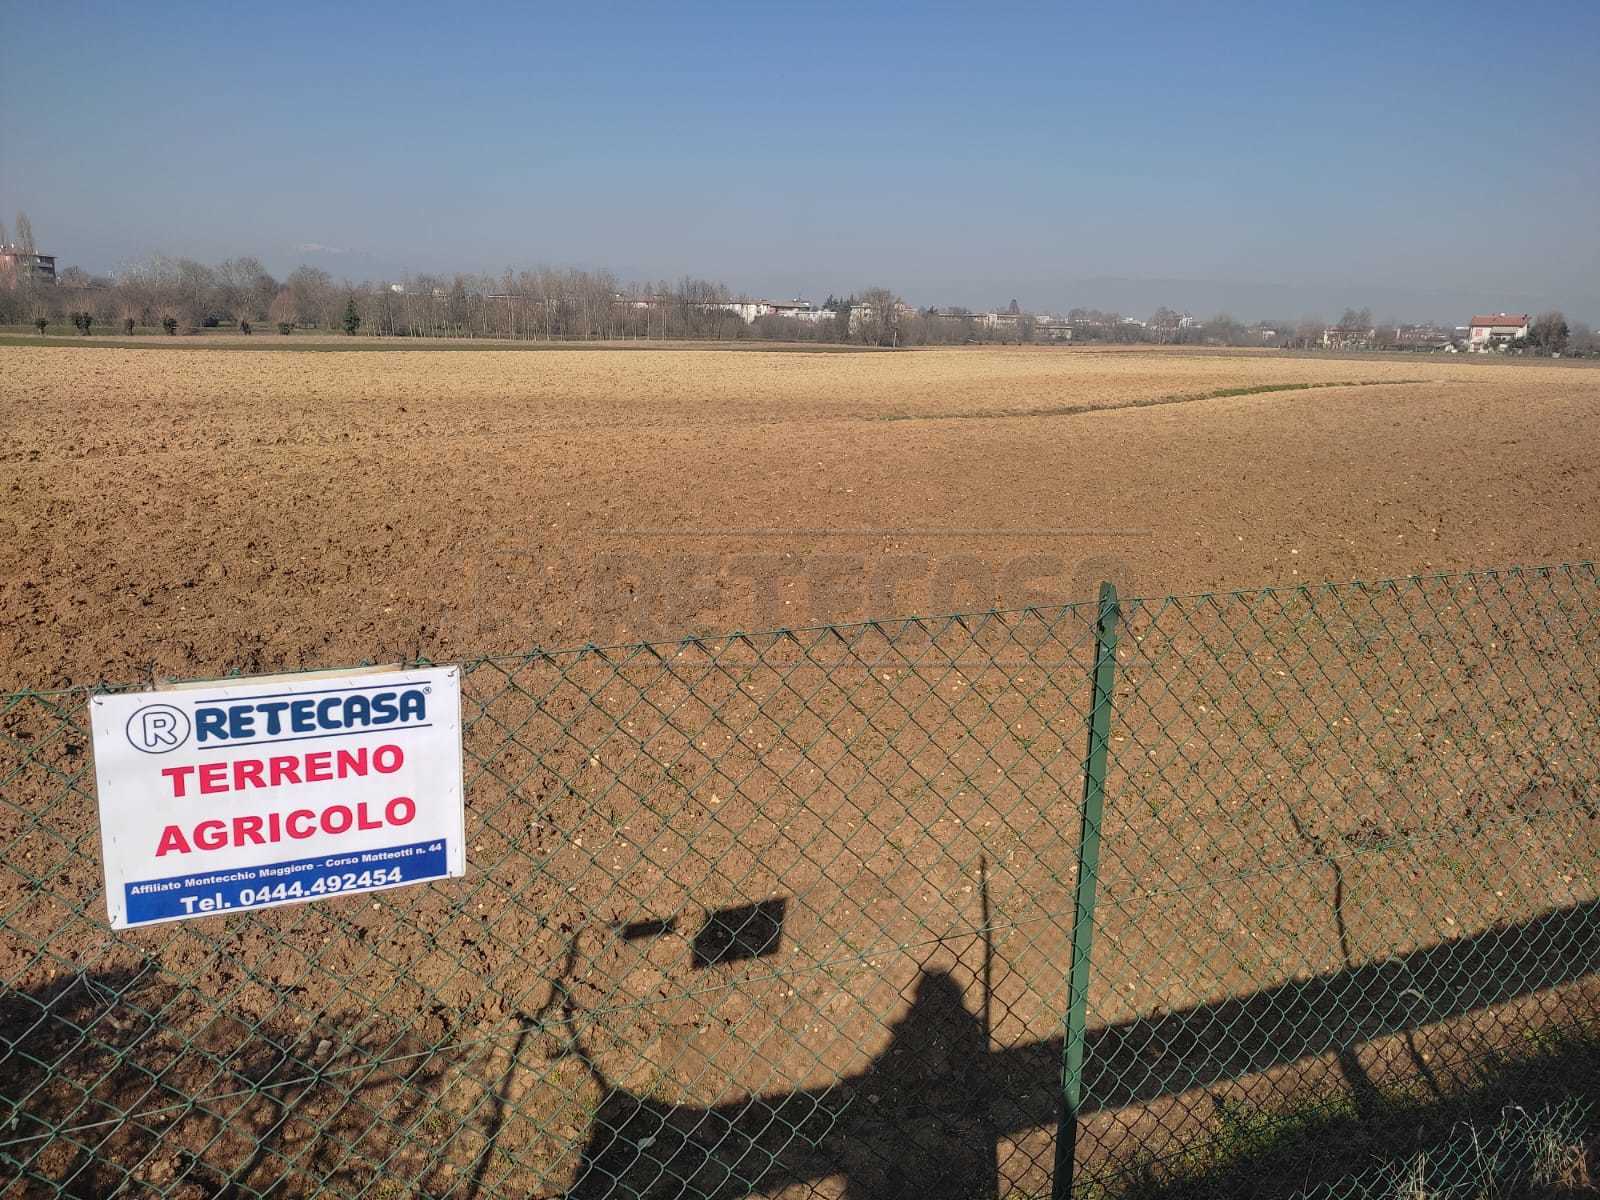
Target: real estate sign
pixel 249 793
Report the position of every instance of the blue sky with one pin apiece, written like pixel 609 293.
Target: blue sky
pixel 1271 159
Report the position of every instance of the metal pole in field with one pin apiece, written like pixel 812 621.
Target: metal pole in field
pixel 1094 794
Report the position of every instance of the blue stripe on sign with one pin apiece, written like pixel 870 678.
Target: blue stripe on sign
pixel 311 737
pixel 388 685
pixel 302 879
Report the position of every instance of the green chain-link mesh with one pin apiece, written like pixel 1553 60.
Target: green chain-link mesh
pixel 790 914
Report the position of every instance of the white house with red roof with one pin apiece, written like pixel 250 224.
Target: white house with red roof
pixel 1496 329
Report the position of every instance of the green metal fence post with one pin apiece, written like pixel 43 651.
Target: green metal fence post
pixel 1094 794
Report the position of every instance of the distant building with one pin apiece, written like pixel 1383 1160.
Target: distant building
pixel 640 302
pixel 1009 321
pixel 1412 337
pixel 1052 329
pixel 746 310
pixel 22 266
pixel 749 311
pixel 1348 337
pixel 797 310
pixel 1495 330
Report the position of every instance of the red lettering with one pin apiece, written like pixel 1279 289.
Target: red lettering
pixel 247 773
pixel 172 841
pixel 317 767
pixel 252 829
pixel 210 835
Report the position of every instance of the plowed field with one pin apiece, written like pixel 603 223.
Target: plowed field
pixel 175 512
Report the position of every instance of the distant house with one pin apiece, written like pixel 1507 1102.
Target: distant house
pixel 1052 329
pixel 22 266
pixel 796 310
pixel 1005 321
pixel 746 310
pixel 1415 337
pixel 1348 337
pixel 1495 330
pixel 749 311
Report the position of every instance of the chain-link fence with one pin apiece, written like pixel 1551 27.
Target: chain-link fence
pixel 793 914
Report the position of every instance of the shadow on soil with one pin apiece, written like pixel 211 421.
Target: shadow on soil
pixel 110 1085
pixel 924 1119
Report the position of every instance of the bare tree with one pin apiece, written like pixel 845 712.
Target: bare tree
pixel 1308 331
pixel 880 317
pixel 130 307
pixel 1163 325
pixel 316 301
pixel 1549 332
pixel 282 311
pixel 244 288
pixel 1223 329
pixel 194 288
pixel 25 234
pixel 147 291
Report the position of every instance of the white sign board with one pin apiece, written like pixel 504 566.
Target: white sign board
pixel 248 793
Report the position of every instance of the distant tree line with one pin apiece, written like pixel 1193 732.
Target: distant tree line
pixel 178 295
pixel 182 295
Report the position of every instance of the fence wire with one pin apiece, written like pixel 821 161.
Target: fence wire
pixel 790 914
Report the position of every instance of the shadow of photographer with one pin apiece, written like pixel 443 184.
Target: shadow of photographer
pixel 924 1119
pixel 97 1095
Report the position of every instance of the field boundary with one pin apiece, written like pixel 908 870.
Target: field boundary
pixel 333 343
pixel 1078 410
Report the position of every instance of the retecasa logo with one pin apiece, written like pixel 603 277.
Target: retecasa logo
pixel 287 718
pixel 158 728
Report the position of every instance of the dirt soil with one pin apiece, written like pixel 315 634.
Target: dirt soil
pixel 174 512
pixel 1335 852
